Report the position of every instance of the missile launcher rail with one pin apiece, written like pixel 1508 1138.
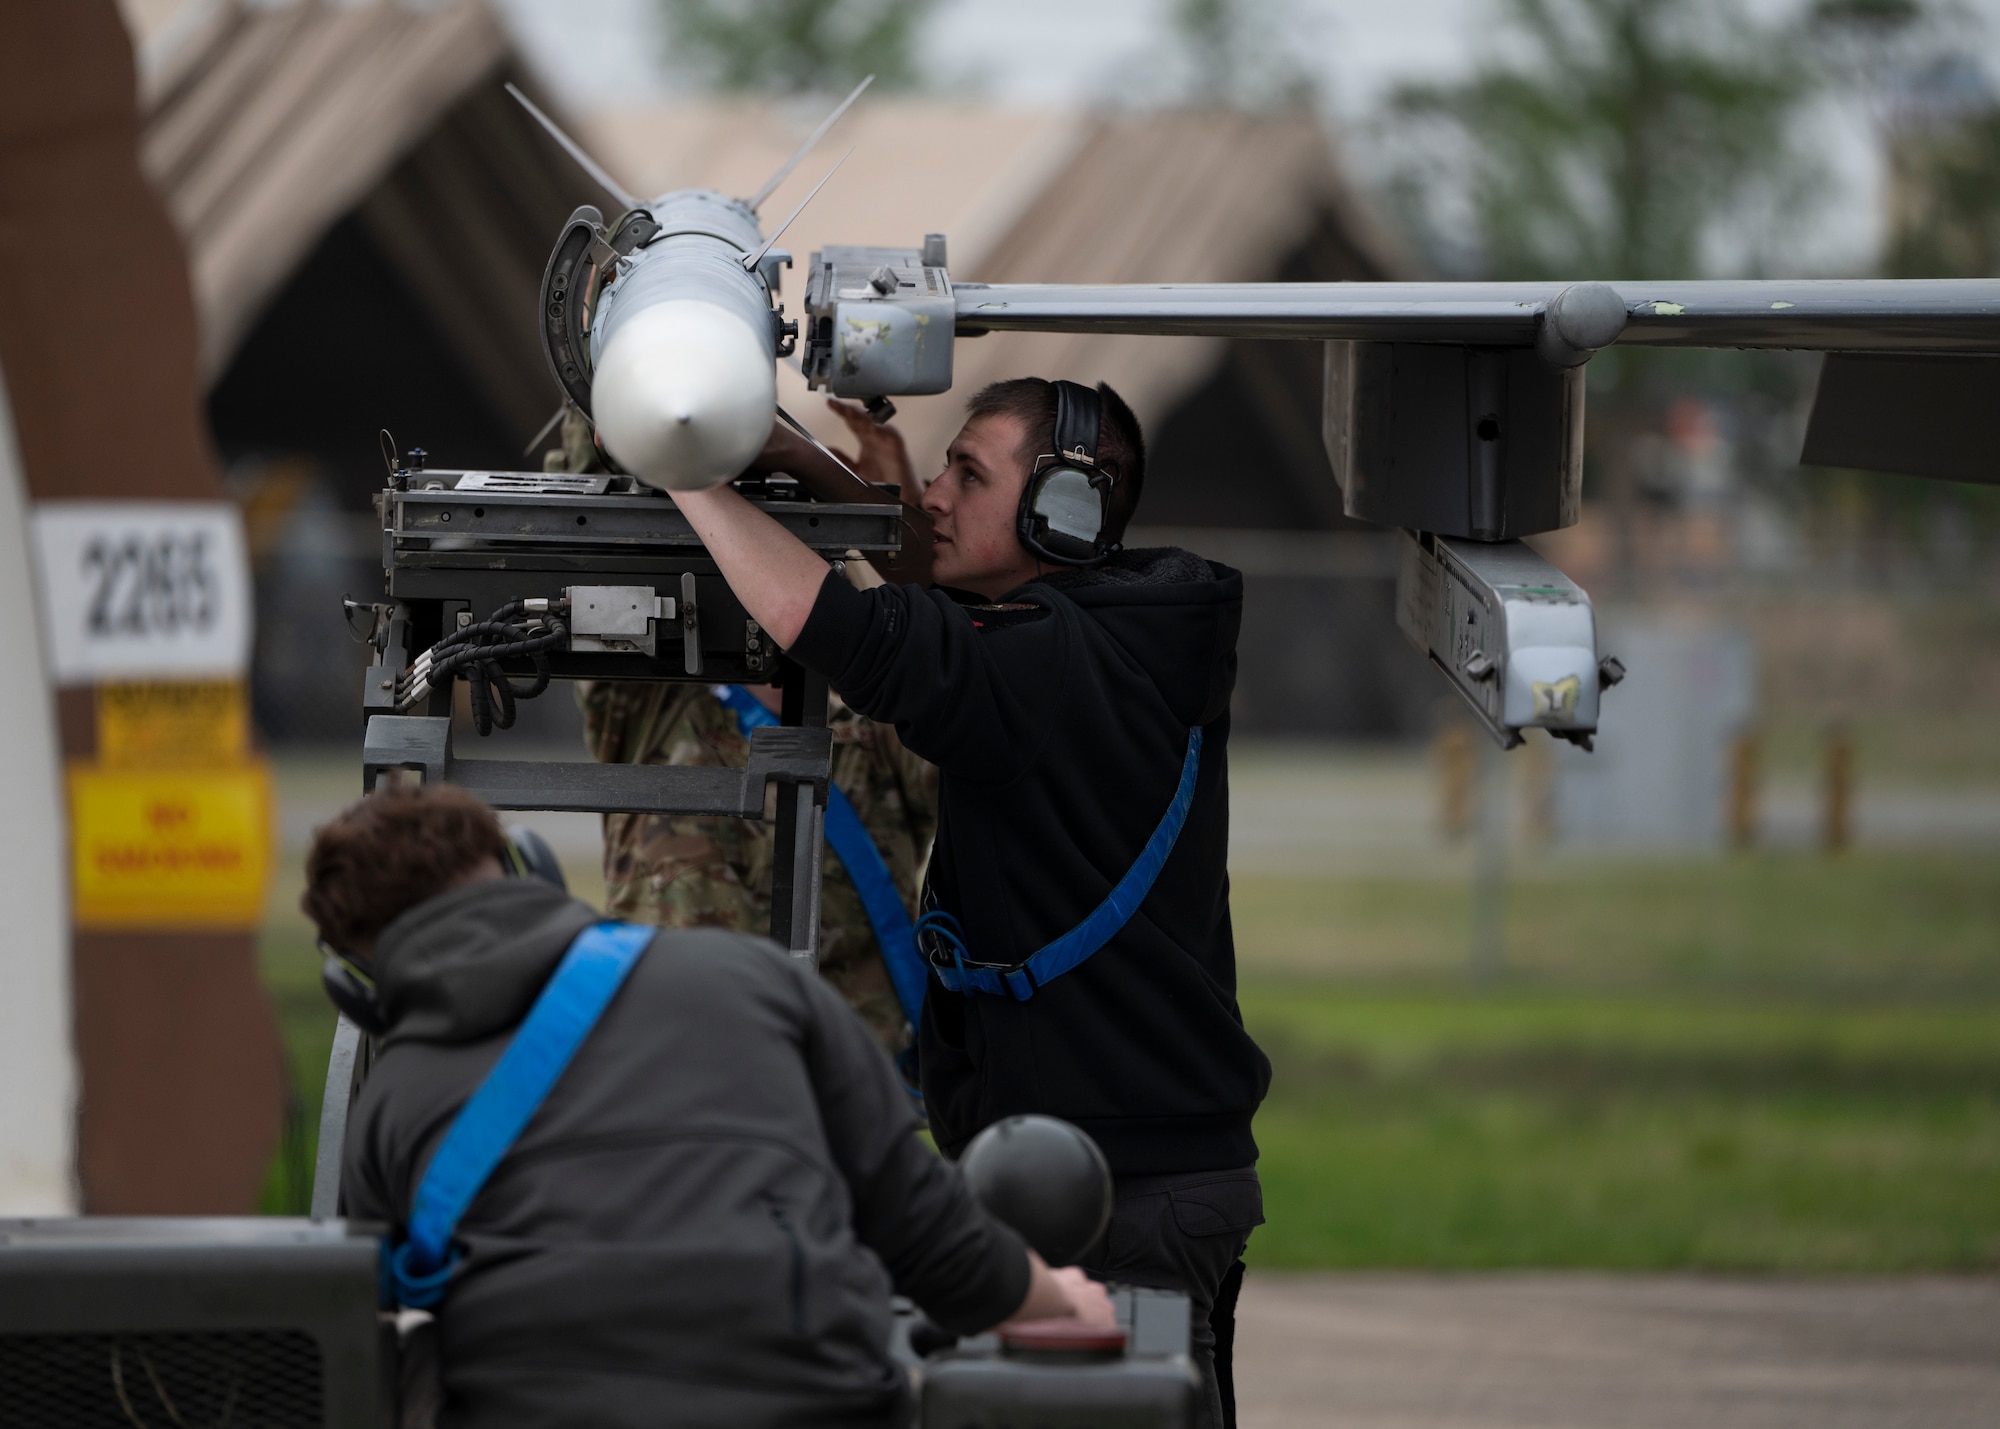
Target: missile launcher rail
pixel 472 541
pixel 622 590
pixel 625 591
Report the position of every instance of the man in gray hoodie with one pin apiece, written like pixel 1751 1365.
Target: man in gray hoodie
pixel 704 1222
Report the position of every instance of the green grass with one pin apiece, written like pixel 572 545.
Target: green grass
pixel 1760 1063
pixel 1896 926
pixel 1444 1129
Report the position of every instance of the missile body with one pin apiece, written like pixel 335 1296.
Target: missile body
pixel 684 346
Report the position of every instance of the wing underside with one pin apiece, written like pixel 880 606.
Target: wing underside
pixel 1825 315
pixel 1911 383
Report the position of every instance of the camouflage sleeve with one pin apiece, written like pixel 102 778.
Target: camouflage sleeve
pixel 680 872
pixel 849 956
pixel 676 871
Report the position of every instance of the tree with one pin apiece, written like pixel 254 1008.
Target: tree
pixel 1945 205
pixel 1239 53
pixel 1621 139
pixel 1939 121
pixel 794 46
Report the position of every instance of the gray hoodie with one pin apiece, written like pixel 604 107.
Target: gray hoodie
pixel 704 1222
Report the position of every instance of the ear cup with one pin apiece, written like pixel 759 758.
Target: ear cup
pixel 529 856
pixel 1063 516
pixel 1066 506
pixel 353 998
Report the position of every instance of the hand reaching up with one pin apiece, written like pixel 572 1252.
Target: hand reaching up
pixel 884 456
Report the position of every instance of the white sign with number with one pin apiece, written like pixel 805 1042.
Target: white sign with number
pixel 143 590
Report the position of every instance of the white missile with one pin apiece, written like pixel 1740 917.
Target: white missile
pixel 684 394
pixel 684 347
pixel 665 329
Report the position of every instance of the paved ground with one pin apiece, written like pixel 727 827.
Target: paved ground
pixel 1584 1351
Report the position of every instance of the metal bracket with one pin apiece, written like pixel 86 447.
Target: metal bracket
pixel 616 618
pixel 346 1070
pixel 1516 638
pixel 422 743
pixel 566 304
pixel 690 624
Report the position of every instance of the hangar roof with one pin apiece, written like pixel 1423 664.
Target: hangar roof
pixel 1028 195
pixel 266 123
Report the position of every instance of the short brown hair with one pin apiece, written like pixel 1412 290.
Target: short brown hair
pixel 396 848
pixel 1120 444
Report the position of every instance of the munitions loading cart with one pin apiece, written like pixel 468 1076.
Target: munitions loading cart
pixel 498 577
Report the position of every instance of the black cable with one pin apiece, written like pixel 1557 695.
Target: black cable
pixel 476 651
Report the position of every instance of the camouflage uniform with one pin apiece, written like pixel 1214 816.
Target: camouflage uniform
pixel 682 872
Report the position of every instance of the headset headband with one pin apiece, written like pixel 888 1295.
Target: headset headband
pixel 1079 412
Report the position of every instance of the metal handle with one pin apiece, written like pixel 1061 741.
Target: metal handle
pixel 690 625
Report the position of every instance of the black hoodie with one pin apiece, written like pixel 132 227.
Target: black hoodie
pixel 1059 717
pixel 703 1222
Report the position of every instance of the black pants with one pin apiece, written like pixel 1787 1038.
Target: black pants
pixel 1187 1232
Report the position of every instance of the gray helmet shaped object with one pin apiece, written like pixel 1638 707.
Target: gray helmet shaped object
pixel 1046 1179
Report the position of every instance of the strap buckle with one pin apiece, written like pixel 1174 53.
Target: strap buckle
pixel 415 1289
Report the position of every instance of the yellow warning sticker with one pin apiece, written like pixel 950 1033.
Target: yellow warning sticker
pixel 1555 701
pixel 155 726
pixel 170 848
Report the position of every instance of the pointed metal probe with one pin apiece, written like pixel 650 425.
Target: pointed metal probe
pixel 756 200
pixel 575 151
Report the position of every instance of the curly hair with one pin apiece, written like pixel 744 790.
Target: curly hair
pixel 396 848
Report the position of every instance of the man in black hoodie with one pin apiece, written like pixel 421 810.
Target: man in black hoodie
pixel 703 1223
pixel 1075 698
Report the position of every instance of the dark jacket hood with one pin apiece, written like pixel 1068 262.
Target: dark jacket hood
pixel 703 1222
pixel 1172 611
pixel 468 963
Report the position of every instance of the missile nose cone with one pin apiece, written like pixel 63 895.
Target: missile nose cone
pixel 684 395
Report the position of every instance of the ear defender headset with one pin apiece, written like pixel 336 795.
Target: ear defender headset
pixel 1066 505
pixel 351 989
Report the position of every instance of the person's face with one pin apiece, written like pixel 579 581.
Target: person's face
pixel 972 506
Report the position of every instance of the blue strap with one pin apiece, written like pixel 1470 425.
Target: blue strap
pixel 849 839
pixel 1079 943
pixel 488 1125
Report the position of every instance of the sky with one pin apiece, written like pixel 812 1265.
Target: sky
pixel 612 52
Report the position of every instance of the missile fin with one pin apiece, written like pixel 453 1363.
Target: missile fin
pixel 824 450
pixel 549 426
pixel 756 200
pixel 575 150
pixel 750 263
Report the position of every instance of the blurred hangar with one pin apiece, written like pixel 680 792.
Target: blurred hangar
pixel 367 216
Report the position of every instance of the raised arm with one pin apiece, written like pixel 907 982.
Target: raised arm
pixel 884 458
pixel 775 574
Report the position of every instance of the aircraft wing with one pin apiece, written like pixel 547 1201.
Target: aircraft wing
pixel 1911 383
pixel 1822 315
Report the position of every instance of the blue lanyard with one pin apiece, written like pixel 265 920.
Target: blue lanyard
pixel 494 1117
pixel 1079 943
pixel 851 844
